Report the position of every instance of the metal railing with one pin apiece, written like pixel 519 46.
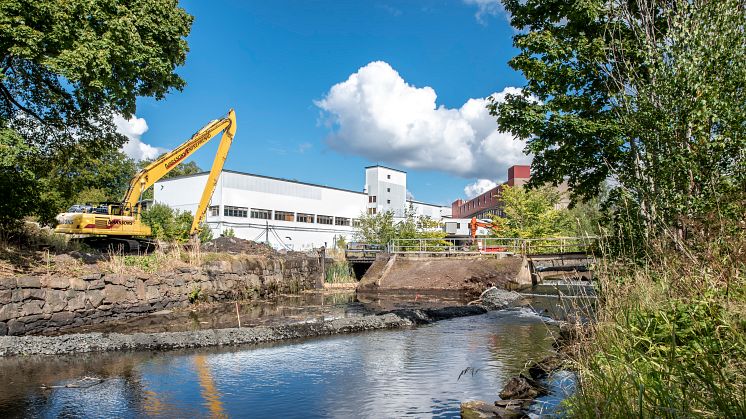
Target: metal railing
pixel 491 245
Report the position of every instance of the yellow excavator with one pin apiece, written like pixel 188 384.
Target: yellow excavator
pixel 119 224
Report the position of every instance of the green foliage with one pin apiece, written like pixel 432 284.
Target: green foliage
pixel 18 183
pixel 339 272
pixel 341 242
pixel 194 295
pixel 679 358
pixel 68 69
pixel 531 213
pixel 170 225
pixel 382 228
pixel 148 263
pixel 91 196
pixel 649 94
pixel 375 228
pixel 229 232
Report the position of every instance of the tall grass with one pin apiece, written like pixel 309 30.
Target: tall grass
pixel 669 341
pixel 339 272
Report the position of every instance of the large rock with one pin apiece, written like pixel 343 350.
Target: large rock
pixel 115 294
pixel 78 284
pixel 95 298
pixel 497 299
pixel 7 283
pixel 8 311
pixel 522 388
pixel 56 300
pixel 56 282
pixel 28 282
pixel 478 409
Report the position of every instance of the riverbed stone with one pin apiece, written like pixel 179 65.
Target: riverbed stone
pixel 28 282
pixel 522 388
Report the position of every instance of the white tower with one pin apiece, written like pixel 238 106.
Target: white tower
pixel 387 190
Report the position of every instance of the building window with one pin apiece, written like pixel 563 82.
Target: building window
pixel 261 214
pixel 388 189
pixel 341 221
pixel 324 219
pixel 371 211
pixel 304 218
pixel 284 216
pixel 458 226
pixel 388 176
pixel 372 199
pixel 214 210
pixel 235 211
pixel 355 222
pixel 388 201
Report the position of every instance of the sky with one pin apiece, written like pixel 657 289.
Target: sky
pixel 322 89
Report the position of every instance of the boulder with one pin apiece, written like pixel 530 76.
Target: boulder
pixel 56 300
pixel 478 409
pixel 8 311
pixel 95 298
pixel 56 282
pixel 78 284
pixel 522 388
pixel 28 282
pixel 546 366
pixel 31 307
pixel 115 294
pixel 496 299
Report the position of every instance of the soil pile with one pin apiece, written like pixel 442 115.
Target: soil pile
pixel 235 245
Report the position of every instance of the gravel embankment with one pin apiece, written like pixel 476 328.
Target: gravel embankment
pixel 104 342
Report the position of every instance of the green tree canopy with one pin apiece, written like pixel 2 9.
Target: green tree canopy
pixel 649 94
pixel 531 213
pixel 66 69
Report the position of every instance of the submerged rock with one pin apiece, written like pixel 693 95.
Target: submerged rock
pixel 477 409
pixel 546 366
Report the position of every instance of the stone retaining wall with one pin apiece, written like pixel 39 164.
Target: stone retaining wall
pixel 49 303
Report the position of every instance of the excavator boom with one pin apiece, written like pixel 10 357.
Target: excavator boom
pixel 124 220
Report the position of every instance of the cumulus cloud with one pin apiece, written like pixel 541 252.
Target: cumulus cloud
pixel 479 187
pixel 486 8
pixel 378 115
pixel 133 129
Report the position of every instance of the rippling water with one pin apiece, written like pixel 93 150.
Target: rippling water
pixel 396 373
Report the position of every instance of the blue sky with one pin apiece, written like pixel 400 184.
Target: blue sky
pixel 403 73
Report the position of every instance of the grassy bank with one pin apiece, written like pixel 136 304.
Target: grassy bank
pixel 670 340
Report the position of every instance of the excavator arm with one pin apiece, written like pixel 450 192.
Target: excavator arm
pixel 159 168
pixel 474 224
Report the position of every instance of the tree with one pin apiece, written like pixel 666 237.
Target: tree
pixel 531 213
pixel 170 225
pixel 646 93
pixel 375 228
pixel 68 67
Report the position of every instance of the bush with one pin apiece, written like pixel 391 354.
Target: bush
pixel 172 225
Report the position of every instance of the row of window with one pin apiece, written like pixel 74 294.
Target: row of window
pixel 264 214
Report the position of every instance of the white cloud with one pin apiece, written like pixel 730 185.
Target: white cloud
pixel 486 8
pixel 133 129
pixel 479 187
pixel 377 115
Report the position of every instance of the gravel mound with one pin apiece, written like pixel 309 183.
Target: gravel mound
pixel 235 245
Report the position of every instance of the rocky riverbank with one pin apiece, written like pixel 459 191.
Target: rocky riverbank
pixel 101 342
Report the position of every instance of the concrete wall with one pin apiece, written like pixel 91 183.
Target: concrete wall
pixel 36 304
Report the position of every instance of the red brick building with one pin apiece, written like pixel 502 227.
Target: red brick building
pixel 489 203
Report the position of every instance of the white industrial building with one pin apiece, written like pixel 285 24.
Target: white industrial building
pixel 289 214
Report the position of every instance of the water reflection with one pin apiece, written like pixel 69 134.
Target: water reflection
pixel 411 372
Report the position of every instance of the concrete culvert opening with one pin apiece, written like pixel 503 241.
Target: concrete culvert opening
pixel 360 268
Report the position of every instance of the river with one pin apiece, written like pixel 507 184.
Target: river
pixel 425 371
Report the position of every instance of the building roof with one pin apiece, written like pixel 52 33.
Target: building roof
pixel 427 203
pixel 264 177
pixel 385 167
